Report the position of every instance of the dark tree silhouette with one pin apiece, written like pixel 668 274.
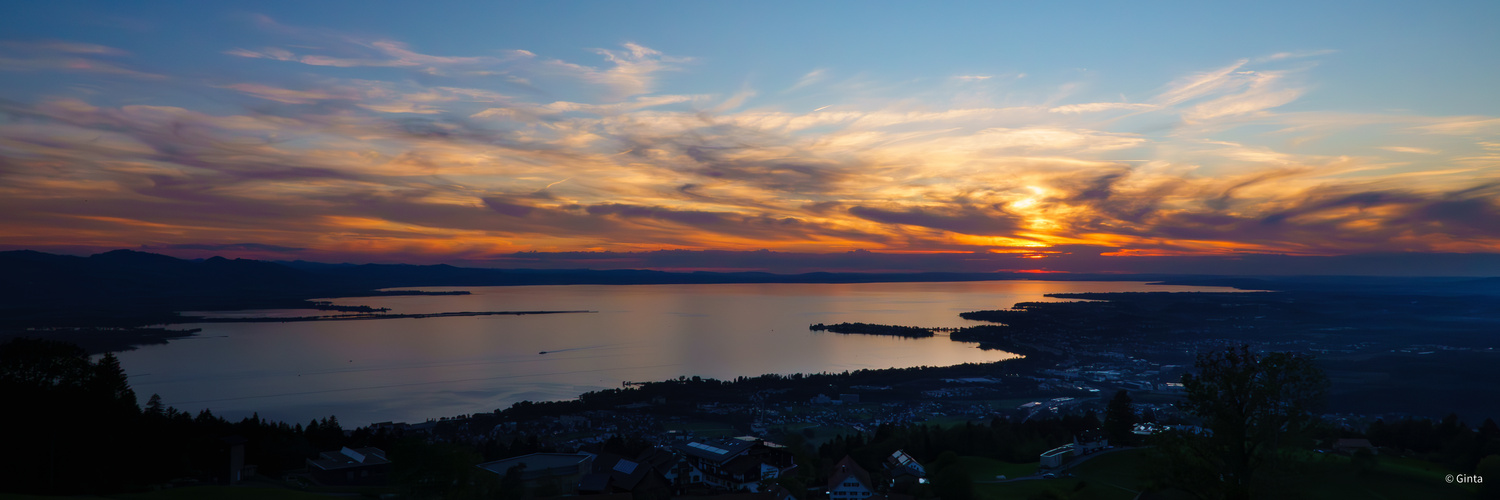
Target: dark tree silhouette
pixel 109 383
pixel 1255 406
pixel 1119 420
pixel 64 412
pixel 952 481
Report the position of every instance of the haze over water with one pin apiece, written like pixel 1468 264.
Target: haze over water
pixel 415 369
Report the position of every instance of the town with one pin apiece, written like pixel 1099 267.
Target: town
pixel 1096 383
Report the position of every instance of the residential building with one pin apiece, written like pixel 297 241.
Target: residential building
pixel 904 469
pixel 554 473
pixel 350 467
pixel 736 464
pixel 849 481
pixel 615 474
pixel 1054 458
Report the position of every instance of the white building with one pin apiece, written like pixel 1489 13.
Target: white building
pixel 1054 458
pixel 1090 441
pixel 850 482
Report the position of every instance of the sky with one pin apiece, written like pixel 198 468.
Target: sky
pixel 475 132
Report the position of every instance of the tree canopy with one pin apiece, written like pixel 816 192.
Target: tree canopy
pixel 1255 406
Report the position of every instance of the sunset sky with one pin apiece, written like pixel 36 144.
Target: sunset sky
pixel 398 132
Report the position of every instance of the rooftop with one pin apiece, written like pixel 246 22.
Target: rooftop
pixel 847 468
pixel 346 458
pixel 1061 450
pixel 720 451
pixel 536 462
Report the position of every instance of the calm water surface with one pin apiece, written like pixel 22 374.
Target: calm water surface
pixel 415 369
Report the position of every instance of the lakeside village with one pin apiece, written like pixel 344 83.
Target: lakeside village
pixel 741 443
pixel 701 453
pixel 1093 378
pixel 1044 411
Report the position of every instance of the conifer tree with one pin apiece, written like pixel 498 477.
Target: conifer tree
pixel 1119 420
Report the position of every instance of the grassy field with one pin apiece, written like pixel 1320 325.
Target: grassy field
pixel 1120 470
pixel 1072 488
pixel 1331 476
pixel 1117 476
pixel 985 469
pixel 1108 477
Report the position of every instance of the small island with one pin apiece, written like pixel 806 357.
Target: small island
pixel 873 329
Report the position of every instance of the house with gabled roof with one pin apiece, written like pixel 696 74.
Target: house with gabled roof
pixel 901 464
pixel 849 481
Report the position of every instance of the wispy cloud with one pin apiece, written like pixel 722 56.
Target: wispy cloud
pixel 630 71
pixel 466 156
pixel 1262 91
pixel 1467 125
pixel 1407 149
pixel 1095 107
pixel 56 55
pixel 63 47
pixel 1200 84
pixel 281 95
pixel 1297 54
pixel 813 77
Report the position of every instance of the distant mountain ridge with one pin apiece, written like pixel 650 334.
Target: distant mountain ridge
pixel 126 287
pixel 133 288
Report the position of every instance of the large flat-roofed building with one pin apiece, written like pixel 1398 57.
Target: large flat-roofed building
pixel 559 472
pixel 1054 458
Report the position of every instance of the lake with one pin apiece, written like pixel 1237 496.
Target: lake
pixel 415 369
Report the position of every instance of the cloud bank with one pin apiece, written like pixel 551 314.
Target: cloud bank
pixel 377 150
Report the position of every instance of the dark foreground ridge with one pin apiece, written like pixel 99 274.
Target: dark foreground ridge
pixel 916 432
pixel 1097 364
